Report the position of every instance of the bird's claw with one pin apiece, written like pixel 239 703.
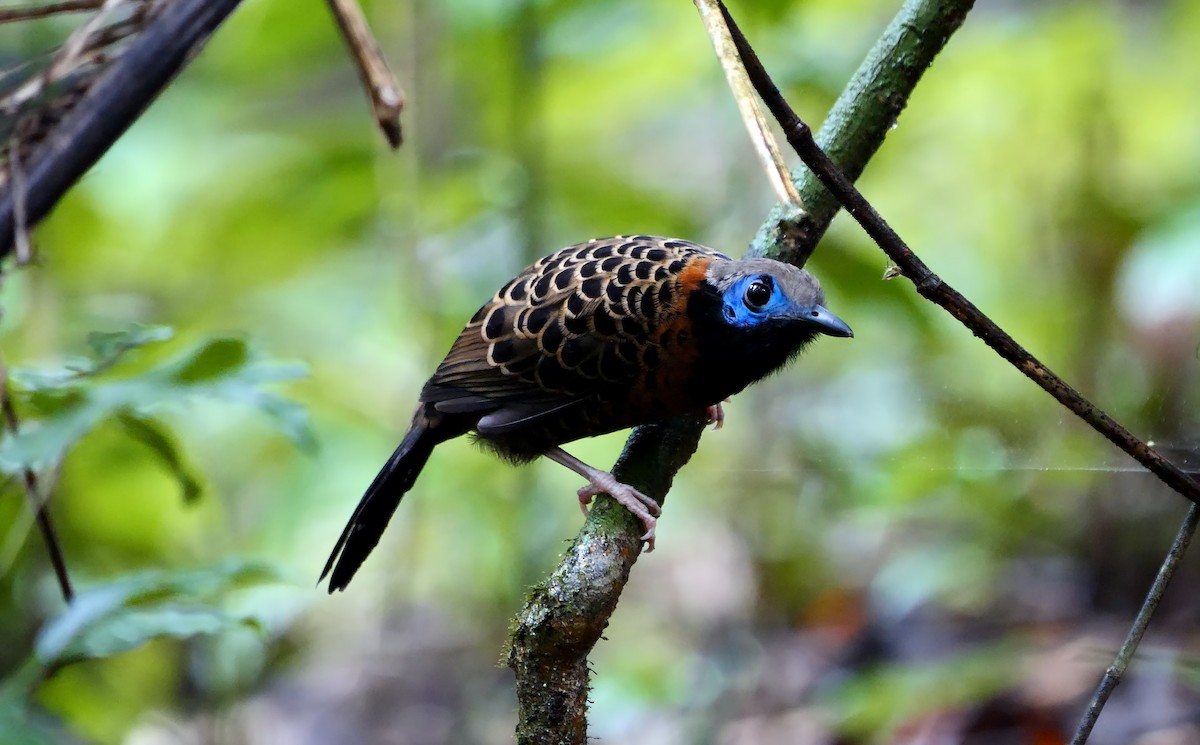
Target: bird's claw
pixel 642 507
pixel 648 538
pixel 716 415
pixel 623 493
pixel 585 497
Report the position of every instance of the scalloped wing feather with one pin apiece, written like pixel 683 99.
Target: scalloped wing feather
pixel 577 324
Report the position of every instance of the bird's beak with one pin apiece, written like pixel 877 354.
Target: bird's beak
pixel 825 322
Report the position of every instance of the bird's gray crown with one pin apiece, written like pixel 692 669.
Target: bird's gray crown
pixel 798 285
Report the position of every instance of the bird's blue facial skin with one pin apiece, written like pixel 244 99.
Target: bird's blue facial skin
pixel 745 308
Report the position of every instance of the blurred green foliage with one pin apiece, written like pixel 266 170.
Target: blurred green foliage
pixel 898 524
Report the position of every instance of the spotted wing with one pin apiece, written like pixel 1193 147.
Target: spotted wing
pixel 576 326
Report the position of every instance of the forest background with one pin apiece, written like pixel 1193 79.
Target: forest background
pixel 896 528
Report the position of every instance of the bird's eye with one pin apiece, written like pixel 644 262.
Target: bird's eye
pixel 758 294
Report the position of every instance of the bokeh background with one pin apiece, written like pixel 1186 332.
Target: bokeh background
pixel 900 539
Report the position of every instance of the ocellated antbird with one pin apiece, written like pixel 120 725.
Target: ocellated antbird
pixel 595 338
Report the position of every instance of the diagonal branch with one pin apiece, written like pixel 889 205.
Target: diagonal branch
pixel 1116 671
pixel 111 105
pixel 747 102
pixel 565 615
pixel 38 502
pixel 387 100
pixel 932 288
pixel 32 12
pixel 861 117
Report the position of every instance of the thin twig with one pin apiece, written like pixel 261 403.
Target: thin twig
pixel 20 228
pixel 77 43
pixel 931 287
pixel 37 502
pixel 747 102
pixel 859 121
pixel 33 12
pixel 67 59
pixel 387 100
pixel 98 50
pixel 1116 670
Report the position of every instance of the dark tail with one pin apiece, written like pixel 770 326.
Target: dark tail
pixel 377 505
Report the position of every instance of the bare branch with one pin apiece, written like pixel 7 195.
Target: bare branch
pixel 20 225
pixel 1116 671
pixel 931 287
pixel 85 50
pixel 860 119
pixel 111 105
pixel 37 501
pixel 747 103
pixel 70 53
pixel 387 100
pixel 34 12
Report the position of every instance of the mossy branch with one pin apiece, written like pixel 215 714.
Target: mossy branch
pixel 565 615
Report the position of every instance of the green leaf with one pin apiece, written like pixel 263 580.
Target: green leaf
pixel 39 445
pixel 72 402
pixel 50 381
pixel 106 350
pixel 124 614
pixel 107 347
pixel 52 400
pixel 211 361
pixel 156 436
pixel 134 627
pixel 86 610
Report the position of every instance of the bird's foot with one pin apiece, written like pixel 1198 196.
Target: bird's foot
pixel 641 506
pixel 716 415
pixel 644 508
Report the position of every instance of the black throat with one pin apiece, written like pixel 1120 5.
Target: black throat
pixel 732 357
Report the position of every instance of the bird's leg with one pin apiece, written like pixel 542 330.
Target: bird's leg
pixel 716 414
pixel 602 482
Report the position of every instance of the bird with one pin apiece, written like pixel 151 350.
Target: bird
pixel 595 338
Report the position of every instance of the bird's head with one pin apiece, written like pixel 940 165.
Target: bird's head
pixel 763 294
